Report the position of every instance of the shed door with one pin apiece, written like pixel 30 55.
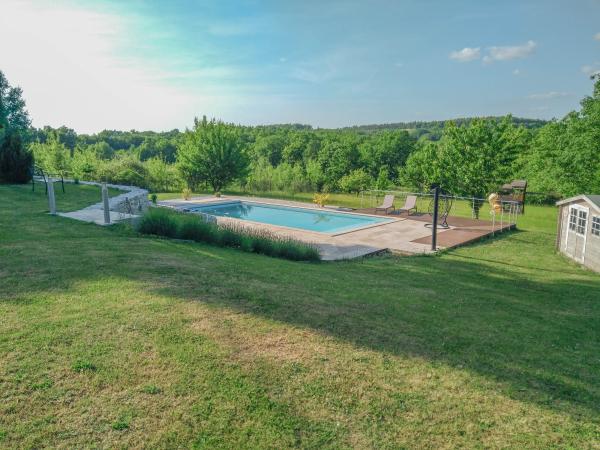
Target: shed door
pixel 576 232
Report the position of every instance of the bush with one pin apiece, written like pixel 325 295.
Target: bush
pixel 124 169
pixel 193 228
pixel 163 222
pixel 159 222
pixel 356 181
pixel 16 162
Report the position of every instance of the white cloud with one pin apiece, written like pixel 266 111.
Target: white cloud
pixel 591 69
pixel 516 72
pixel 597 36
pixel 466 54
pixel 65 60
pixel 548 95
pixel 510 52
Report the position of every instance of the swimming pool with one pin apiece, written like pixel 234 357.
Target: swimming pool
pixel 286 216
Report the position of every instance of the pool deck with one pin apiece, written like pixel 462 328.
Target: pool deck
pixel 404 235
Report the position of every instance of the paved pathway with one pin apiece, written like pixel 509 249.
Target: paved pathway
pixel 132 195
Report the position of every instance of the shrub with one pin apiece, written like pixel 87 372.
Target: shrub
pixel 193 228
pixel 356 181
pixel 124 169
pixel 162 177
pixel 163 222
pixel 158 222
pixel 16 162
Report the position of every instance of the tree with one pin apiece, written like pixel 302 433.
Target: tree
pixel 102 150
pixel 212 153
pixel 85 164
pixel 161 176
pixel 52 156
pixel 470 160
pixel 157 148
pixel 422 167
pixel 16 162
pixel 270 147
pixel 338 158
pixel 387 150
pixel 565 155
pixel 479 157
pixel 13 115
pixel 125 169
pixel 356 181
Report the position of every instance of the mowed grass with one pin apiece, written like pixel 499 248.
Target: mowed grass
pixel 108 339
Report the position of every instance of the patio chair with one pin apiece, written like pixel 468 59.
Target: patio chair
pixel 409 204
pixel 388 203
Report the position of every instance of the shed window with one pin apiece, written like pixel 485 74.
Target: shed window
pixel 596 225
pixel 581 222
pixel 573 219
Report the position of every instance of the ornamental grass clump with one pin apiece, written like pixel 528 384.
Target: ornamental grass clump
pixel 194 227
pixel 159 222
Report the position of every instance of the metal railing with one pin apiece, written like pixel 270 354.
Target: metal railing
pixel 459 206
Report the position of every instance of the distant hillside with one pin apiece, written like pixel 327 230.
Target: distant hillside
pixel 420 129
pixel 439 124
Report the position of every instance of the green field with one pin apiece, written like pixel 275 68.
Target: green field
pixel 108 339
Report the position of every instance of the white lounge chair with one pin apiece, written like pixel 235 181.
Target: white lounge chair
pixel 388 203
pixel 410 204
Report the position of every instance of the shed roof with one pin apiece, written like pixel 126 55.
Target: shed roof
pixel 593 200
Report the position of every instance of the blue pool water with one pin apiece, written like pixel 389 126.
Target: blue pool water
pixel 303 218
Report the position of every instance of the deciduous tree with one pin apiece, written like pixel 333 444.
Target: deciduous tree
pixel 212 153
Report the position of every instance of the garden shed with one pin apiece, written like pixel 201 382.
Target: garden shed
pixel 579 229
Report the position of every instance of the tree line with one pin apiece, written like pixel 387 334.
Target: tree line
pixel 470 157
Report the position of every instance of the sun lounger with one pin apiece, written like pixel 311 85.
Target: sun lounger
pixel 388 203
pixel 410 204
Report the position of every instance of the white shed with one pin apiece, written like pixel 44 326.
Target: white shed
pixel 579 229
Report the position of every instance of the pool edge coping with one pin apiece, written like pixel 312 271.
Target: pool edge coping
pixel 218 201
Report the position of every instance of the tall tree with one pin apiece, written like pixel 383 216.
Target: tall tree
pixel 387 150
pixel 212 153
pixel 13 114
pixel 470 160
pixel 16 161
pixel 565 155
pixel 52 156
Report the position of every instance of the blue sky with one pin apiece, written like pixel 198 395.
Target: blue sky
pixel 156 64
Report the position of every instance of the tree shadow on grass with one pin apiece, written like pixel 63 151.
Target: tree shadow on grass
pixel 537 337
pixel 533 332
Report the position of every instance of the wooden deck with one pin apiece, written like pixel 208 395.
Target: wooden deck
pixel 462 230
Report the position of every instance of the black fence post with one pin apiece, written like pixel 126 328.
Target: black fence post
pixel 434 219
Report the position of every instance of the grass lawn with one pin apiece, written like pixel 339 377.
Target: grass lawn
pixel 108 339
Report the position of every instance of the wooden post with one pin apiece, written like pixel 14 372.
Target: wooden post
pixel 105 204
pixel 51 198
pixel 436 201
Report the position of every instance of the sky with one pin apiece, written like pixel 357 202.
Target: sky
pixel 155 65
